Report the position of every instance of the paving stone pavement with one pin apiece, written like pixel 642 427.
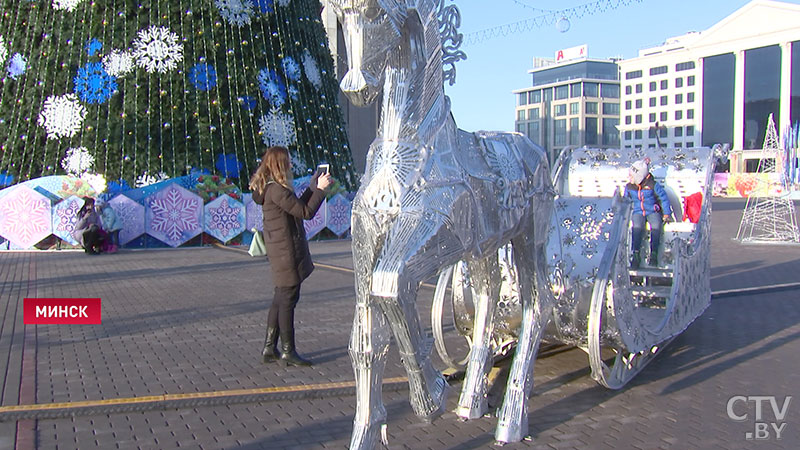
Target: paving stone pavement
pixel 191 320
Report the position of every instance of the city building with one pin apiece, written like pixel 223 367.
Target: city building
pixel 716 86
pixel 572 101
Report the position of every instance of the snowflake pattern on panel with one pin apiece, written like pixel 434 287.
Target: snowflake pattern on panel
pixel 17 66
pixel 67 217
pixel 173 214
pixel 224 219
pixel 272 87
pixel 93 46
pixel 93 84
pixel 77 161
pixel 68 5
pixel 131 214
pixel 312 70
pixel 203 76
pixel 118 63
pixel 3 50
pixel 62 115
pixel 156 49
pixel 26 217
pixel 235 12
pixel 277 128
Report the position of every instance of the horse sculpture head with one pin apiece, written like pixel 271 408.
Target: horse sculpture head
pixel 379 33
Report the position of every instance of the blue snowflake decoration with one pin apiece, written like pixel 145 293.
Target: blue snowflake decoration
pixel 117 187
pixel 293 92
pixel 93 46
pixel 228 165
pixel 6 179
pixel 291 68
pixel 93 84
pixel 266 6
pixel 272 87
pixel 249 103
pixel 203 76
pixel 17 66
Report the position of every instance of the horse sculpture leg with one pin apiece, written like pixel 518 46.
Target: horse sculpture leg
pixel 512 419
pixel 484 274
pixel 369 344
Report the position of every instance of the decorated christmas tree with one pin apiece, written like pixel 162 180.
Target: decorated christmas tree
pixel 144 90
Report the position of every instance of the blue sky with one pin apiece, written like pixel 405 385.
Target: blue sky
pixel 482 98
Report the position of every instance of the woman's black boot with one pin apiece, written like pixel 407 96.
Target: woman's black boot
pixel 270 352
pixel 289 355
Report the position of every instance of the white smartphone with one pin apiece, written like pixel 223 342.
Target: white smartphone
pixel 323 169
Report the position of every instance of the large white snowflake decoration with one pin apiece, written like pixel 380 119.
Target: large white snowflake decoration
pixel 68 5
pixel 157 49
pixel 299 166
pixel 62 115
pixel 118 62
pixel 235 12
pixel 277 128
pixel 146 179
pixel 96 181
pixel 77 161
pixel 3 50
pixel 26 217
pixel 312 70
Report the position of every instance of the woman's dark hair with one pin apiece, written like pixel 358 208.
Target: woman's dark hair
pixel 88 205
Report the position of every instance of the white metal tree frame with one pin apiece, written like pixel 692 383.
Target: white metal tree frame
pixel 769 216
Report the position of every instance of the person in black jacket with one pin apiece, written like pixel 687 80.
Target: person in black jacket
pixel 286 245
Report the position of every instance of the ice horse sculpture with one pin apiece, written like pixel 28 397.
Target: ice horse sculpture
pixel 432 195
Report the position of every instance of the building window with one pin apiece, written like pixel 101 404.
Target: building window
pixel 664 84
pixel 677 145
pixel 662 132
pixel 575 90
pixel 591 131
pixel 663 100
pixel 678 82
pixel 521 114
pixel 690 130
pixel 662 116
pixel 560 126
pixel 651 133
pixel 637 134
pixel 590 89
pixel 521 128
pixel 628 104
pixel 536 96
pixel 652 117
pixel 574 131
pixel 690 97
pixel 678 115
pixel 627 120
pixel 631 75
pixel 658 70
pixel 690 80
pixel 609 90
pixel 610 132
pixel 533 131
pixel 678 99
pixel 639 103
pixel 628 89
pixel 560 110
pixel 684 66
pixel 652 101
pixel 591 107
pixel 547 94
pixel 639 88
pixel 533 113
pixel 653 86
pixel 523 99
pixel 628 136
pixel 690 114
pixel 611 108
pixel 638 118
pixel 562 92
pixel 574 108
pixel 678 131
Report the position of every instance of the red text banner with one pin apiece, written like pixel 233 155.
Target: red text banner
pixel 62 311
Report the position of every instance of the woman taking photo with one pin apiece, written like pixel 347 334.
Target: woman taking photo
pixel 286 244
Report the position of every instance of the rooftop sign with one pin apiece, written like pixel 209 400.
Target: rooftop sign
pixel 566 54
